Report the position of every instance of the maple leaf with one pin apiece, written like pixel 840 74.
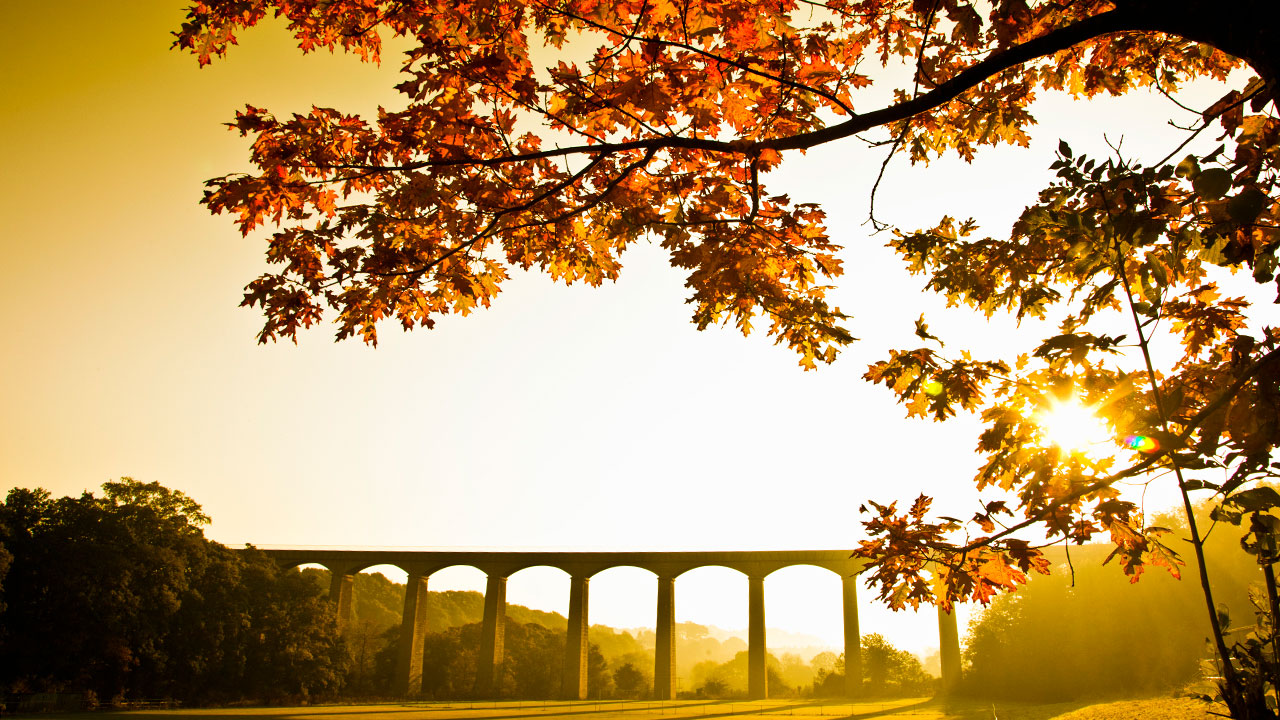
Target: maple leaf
pixel 994 571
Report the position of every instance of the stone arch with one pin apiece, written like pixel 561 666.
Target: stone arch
pixel 540 587
pixel 458 572
pixel 808 598
pixel 436 568
pixel 457 576
pixel 819 579
pixel 707 588
pixel 710 581
pixel 571 585
pixel 625 584
pixel 622 583
pixel 302 565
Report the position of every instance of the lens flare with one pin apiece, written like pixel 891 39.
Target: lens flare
pixel 933 387
pixel 1142 443
pixel 1073 427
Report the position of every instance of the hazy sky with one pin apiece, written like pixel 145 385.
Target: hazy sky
pixel 562 417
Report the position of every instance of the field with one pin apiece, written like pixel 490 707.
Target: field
pixel 908 709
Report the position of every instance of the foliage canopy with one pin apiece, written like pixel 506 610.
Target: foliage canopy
pixel 123 596
pixel 669 113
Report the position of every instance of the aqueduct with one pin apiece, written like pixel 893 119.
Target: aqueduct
pixel 581 566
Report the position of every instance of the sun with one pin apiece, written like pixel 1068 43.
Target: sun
pixel 1073 427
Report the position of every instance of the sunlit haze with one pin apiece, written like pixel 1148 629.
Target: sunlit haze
pixel 562 417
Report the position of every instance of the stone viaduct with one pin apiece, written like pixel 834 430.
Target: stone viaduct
pixel 581 566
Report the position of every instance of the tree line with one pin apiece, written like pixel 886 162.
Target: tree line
pixel 120 597
pixel 1087 631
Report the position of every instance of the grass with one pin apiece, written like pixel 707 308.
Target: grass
pixel 904 709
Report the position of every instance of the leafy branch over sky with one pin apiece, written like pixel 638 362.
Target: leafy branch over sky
pixel 552 134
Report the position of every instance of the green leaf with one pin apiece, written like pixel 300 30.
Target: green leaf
pixel 1223 514
pixel 1245 206
pixel 1212 184
pixel 1168 441
pixel 1191 461
pixel 1212 251
pixel 1188 168
pixel 1157 270
pixel 1257 499
pixel 1264 267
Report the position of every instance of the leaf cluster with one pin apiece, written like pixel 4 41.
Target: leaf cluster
pixel 1109 243
pixel 664 115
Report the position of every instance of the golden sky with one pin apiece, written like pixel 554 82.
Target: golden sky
pixel 562 417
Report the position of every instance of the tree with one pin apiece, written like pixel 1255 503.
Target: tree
pixel 630 681
pixel 730 678
pixel 667 131
pixel 599 679
pixel 828 680
pixel 534 658
pixel 449 662
pixel 5 560
pixel 93 585
pixel 533 655
pixel 890 671
pixel 1064 638
pixel 1089 633
pixel 123 596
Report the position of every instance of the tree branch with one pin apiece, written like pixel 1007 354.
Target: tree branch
pixel 1060 39
pixel 1141 467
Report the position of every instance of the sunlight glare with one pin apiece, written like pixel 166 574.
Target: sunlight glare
pixel 1073 427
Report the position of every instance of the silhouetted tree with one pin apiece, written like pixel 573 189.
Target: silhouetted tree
pixel 449 662
pixel 122 595
pixel 5 560
pixel 533 656
pixel 1090 632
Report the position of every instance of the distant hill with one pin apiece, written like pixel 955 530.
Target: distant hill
pixel 780 641
pixel 379 602
pixel 697 643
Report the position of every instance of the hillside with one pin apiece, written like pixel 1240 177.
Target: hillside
pixel 379 603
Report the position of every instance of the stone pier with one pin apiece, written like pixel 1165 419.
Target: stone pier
pixel 489 662
pixel 757 653
pixel 573 685
pixel 341 592
pixel 413 635
pixel 664 654
pixel 852 638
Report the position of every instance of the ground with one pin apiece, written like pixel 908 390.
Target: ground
pixel 908 709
